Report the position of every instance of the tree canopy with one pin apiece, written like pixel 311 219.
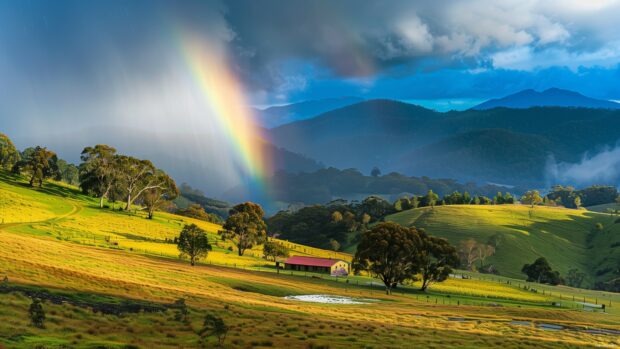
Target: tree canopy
pixel 193 243
pixel 540 271
pixel 389 252
pixel 9 155
pixel 245 226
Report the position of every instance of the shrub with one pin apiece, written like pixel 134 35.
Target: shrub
pixel 36 313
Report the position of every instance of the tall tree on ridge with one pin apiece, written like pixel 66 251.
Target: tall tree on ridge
pixel 98 171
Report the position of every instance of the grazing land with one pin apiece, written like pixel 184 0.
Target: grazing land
pixel 568 238
pixel 109 279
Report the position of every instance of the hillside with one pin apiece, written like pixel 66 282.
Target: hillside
pixel 482 154
pixel 411 140
pixel 553 97
pixel 283 114
pixel 567 238
pixel 59 247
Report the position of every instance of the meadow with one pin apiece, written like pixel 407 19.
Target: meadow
pixel 109 280
pixel 568 238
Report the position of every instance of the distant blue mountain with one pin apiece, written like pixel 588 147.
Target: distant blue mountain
pixel 553 97
pixel 280 115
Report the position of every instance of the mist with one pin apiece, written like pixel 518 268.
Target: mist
pixel 601 168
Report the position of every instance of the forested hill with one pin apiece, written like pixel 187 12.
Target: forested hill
pixel 493 145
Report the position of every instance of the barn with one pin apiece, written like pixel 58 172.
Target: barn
pixel 318 265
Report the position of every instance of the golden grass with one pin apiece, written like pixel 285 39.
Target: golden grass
pixel 81 248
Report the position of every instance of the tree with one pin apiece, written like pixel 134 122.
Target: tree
pixel 577 202
pixel 376 172
pixel 9 155
pixel 36 313
pixel 156 197
pixel 40 164
pixel 245 226
pixel 531 197
pixel 468 252
pixel 484 251
pixel 193 242
pixel 437 257
pixel 198 212
pixel 69 173
pixel 388 251
pixel 334 245
pixel 138 176
pixel 575 278
pixel 540 271
pixel 336 217
pixel 98 171
pixel 213 325
pixel 273 250
pixel 430 199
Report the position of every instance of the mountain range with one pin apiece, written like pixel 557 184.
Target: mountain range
pixel 502 145
pixel 553 97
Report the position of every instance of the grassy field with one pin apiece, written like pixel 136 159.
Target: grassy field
pixel 567 238
pixel 87 263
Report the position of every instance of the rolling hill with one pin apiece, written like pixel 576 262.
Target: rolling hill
pixel 553 97
pixel 284 114
pixel 111 279
pixel 567 238
pixel 412 140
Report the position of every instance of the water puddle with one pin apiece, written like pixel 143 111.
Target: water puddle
pixel 329 299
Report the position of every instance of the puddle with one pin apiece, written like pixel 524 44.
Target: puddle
pixel 521 323
pixel 551 327
pixel 328 299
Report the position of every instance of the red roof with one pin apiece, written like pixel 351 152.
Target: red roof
pixel 312 261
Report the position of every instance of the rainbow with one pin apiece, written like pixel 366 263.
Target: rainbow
pixel 224 96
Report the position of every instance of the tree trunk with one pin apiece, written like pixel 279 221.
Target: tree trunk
pixel 128 202
pixel 101 201
pixel 151 213
pixel 192 260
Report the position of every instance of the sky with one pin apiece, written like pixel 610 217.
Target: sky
pixel 69 67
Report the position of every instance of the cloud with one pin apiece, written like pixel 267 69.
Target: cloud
pixel 601 168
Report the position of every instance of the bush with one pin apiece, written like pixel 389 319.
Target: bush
pixel 36 313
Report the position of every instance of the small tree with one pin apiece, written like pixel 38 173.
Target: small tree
pixel 214 326
pixel 36 313
pixel 531 197
pixel 245 226
pixel 577 202
pixel 272 250
pixel 389 251
pixel 437 257
pixel 485 251
pixel 540 271
pixel 468 252
pixel 193 242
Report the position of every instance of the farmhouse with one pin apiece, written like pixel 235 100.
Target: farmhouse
pixel 318 265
